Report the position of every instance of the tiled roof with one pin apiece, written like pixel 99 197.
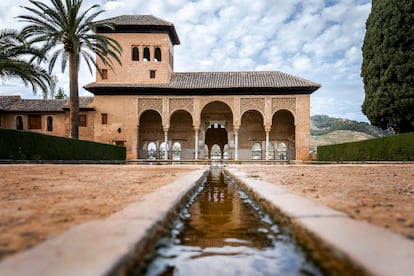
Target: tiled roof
pixel 17 104
pixel 146 23
pixel 220 81
pixel 136 20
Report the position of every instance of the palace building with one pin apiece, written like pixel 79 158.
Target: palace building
pixel 157 113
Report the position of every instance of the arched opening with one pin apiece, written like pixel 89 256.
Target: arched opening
pixel 283 132
pixel 19 122
pixel 251 131
pixel 163 151
pixel 215 152
pixel 135 53
pixel 176 151
pixel 152 151
pixel 146 54
pixel 181 130
pixel 271 151
pixel 281 151
pixel 217 123
pixel 256 151
pixel 157 54
pixel 150 130
pixel 49 123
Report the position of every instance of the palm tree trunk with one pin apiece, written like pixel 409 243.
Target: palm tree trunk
pixel 74 96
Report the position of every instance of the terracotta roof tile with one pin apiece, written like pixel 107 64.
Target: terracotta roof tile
pixel 221 80
pixel 16 104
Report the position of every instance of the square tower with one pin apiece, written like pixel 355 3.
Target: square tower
pixel 148 49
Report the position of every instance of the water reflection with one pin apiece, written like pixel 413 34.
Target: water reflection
pixel 224 232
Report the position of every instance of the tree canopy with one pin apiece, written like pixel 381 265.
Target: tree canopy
pixel 16 61
pixel 388 65
pixel 68 31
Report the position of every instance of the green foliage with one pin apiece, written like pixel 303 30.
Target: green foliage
pixel 60 94
pixel 15 61
pixel 325 124
pixel 392 148
pixel 25 145
pixel 388 65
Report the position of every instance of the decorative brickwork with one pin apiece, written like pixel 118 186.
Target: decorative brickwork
pixel 252 103
pixel 284 103
pixel 183 104
pixel 150 103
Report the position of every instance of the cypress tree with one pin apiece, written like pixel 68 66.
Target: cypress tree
pixel 388 65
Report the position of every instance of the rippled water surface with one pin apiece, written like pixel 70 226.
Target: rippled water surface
pixel 222 231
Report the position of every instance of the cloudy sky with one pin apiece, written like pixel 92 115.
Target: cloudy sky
pixel 319 40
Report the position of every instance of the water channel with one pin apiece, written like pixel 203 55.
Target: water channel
pixel 222 231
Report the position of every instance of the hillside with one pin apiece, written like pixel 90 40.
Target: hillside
pixel 327 131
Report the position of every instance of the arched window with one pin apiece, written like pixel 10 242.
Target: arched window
pixel 271 151
pixel 147 54
pixel 162 150
pixel 226 152
pixel 135 53
pixel 256 151
pixel 215 152
pixel 176 151
pixel 19 122
pixel 157 54
pixel 49 123
pixel 152 151
pixel 281 151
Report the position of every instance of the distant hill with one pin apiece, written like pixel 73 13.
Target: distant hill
pixel 326 130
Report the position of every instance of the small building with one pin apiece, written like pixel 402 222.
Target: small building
pixel 157 113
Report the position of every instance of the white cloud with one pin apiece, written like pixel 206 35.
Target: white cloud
pixel 315 39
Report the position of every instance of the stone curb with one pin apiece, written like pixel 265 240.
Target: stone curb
pixel 338 243
pixel 108 246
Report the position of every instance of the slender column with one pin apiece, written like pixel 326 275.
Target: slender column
pixel 166 144
pixel 196 143
pixel 236 143
pixel 267 145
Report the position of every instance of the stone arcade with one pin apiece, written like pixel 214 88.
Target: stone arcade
pixel 161 114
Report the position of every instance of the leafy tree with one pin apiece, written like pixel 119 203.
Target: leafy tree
pixel 69 33
pixel 60 95
pixel 16 61
pixel 388 65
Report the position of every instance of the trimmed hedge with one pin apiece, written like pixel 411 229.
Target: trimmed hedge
pixel 391 148
pixel 25 145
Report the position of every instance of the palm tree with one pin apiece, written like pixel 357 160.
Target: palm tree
pixel 69 33
pixel 15 62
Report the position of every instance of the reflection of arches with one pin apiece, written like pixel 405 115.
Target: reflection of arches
pixel 19 122
pixel 251 130
pixel 256 151
pixel 176 151
pixel 152 151
pixel 283 129
pixel 150 130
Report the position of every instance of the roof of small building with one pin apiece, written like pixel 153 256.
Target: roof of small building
pixel 219 83
pixel 17 104
pixel 140 23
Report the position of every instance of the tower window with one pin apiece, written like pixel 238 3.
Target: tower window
pixel 104 73
pixel 157 54
pixel 49 123
pixel 135 53
pixel 82 120
pixel 147 54
pixel 104 118
pixel 152 74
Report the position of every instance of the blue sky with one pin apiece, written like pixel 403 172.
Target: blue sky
pixel 319 40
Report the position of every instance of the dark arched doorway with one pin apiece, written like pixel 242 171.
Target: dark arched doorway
pixel 282 135
pixel 217 123
pixel 150 133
